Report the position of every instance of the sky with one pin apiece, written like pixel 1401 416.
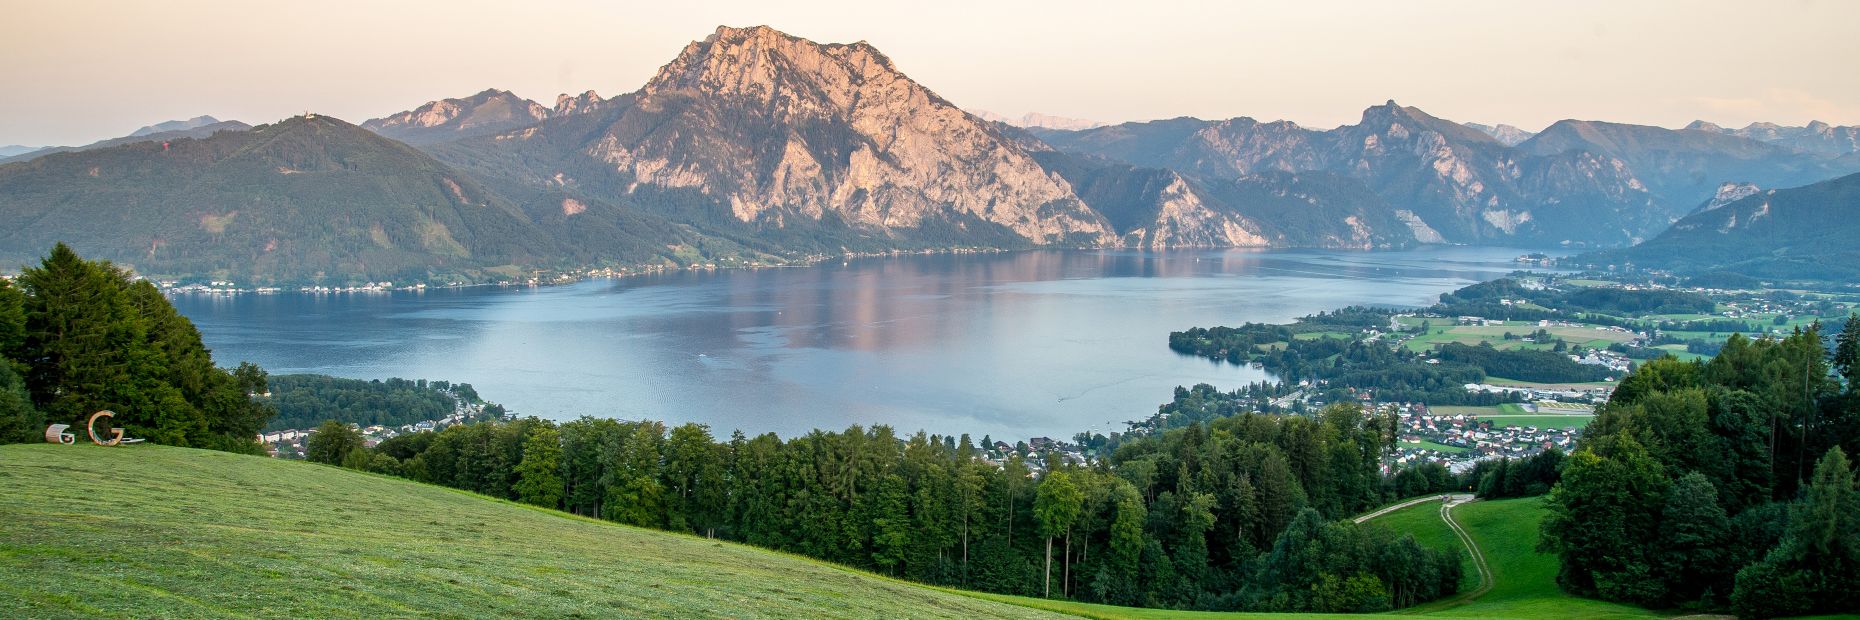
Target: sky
pixel 75 71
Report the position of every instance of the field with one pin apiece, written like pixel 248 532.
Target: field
pixel 1424 522
pixel 149 531
pixel 1437 335
pixel 1540 421
pixel 1547 386
pixel 1524 581
pixel 1513 414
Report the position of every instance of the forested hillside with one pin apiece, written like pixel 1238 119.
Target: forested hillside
pixel 1239 514
pixel 304 401
pixel 1721 485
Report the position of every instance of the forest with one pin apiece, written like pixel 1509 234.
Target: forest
pixel 1720 485
pixel 1247 512
pixel 304 401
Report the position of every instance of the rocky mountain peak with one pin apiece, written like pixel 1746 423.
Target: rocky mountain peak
pixel 1700 125
pixel 1728 193
pixel 566 104
pixel 764 64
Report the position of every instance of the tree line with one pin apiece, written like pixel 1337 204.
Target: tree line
pixel 303 401
pixel 80 336
pixel 1722 484
pixel 1243 513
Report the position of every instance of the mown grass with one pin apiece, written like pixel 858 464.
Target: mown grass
pixel 1524 581
pixel 1540 421
pixel 1424 522
pixel 150 531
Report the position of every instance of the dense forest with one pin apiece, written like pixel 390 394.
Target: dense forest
pixel 78 336
pixel 1721 484
pixel 1243 513
pixel 304 401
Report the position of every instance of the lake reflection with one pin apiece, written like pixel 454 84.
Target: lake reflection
pixel 1014 345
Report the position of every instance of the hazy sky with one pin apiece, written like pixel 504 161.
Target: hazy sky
pixel 73 71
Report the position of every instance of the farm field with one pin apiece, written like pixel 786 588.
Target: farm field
pixel 1547 386
pixel 1438 335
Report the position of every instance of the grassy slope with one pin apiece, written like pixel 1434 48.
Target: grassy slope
pixel 1423 521
pixel 1524 580
pixel 148 531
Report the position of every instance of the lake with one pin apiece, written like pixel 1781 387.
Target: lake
pixel 1014 345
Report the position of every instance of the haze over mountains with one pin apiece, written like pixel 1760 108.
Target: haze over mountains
pixel 753 146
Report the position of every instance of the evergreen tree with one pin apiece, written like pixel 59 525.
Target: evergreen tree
pixel 19 420
pixel 1816 569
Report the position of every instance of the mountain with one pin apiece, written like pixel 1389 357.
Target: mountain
pixel 482 114
pixel 310 199
pixel 1817 137
pixel 1036 120
pixel 788 145
pixel 1575 184
pixel 1505 134
pixel 141 135
pixel 566 104
pixel 1808 232
pixel 16 149
pixel 1451 182
pixel 173 126
pixel 1684 167
pixel 1727 194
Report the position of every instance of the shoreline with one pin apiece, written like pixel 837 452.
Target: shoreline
pixel 171 286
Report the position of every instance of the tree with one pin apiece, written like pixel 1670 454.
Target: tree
pixel 1126 545
pixel 1055 508
pixel 1847 350
pixel 539 473
pixel 331 443
pixel 891 524
pixel 1693 527
pixel 1611 493
pixel 1816 568
pixel 19 420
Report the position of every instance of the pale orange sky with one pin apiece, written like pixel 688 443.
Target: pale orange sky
pixel 74 71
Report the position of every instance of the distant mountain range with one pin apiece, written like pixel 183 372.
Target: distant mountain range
pixel 753 146
pixel 1817 137
pixel 1036 120
pixel 197 127
pixel 1809 232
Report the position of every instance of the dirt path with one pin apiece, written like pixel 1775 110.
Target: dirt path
pixel 1389 509
pixel 1485 572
